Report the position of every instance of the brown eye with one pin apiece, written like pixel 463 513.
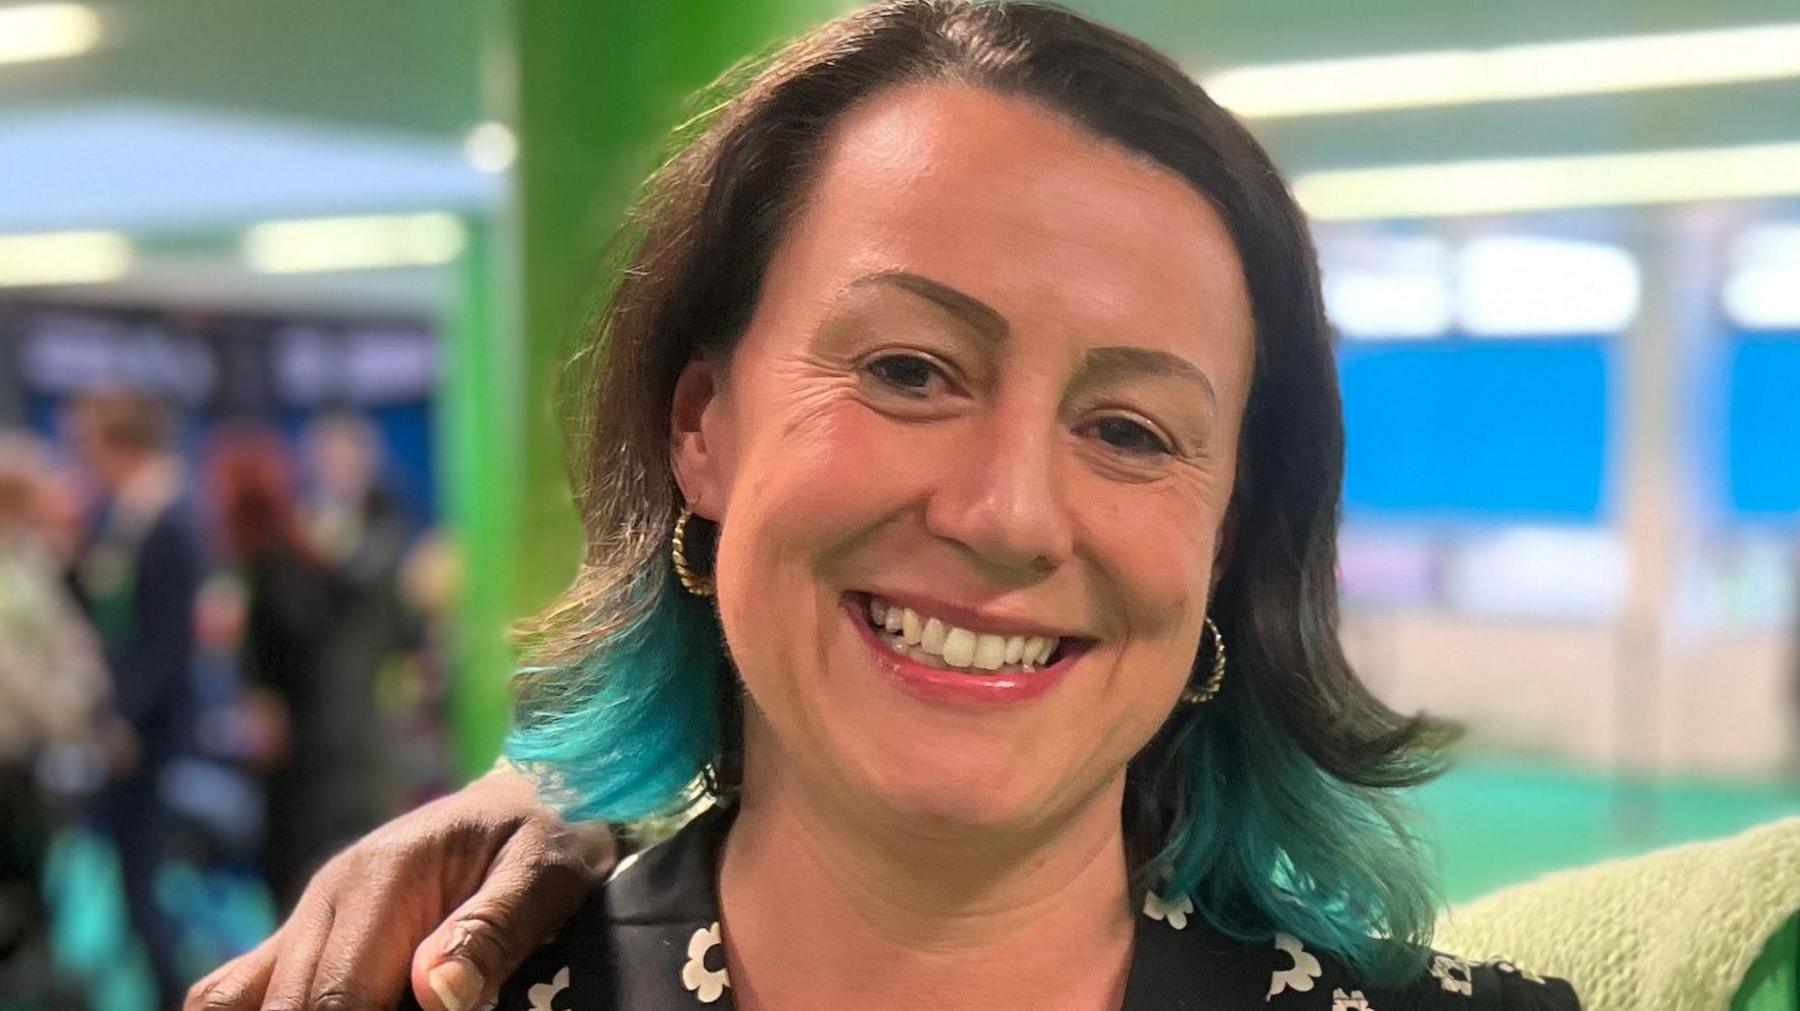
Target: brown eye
pixel 907 373
pixel 1129 436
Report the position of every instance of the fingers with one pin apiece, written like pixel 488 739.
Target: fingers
pixel 290 983
pixel 238 985
pixel 361 965
pixel 537 880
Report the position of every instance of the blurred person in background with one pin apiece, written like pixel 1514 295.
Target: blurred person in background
pixel 138 570
pixel 53 691
pixel 415 699
pixel 354 520
pixel 359 532
pixel 289 609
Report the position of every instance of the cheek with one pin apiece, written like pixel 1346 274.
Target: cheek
pixel 823 471
pixel 803 496
pixel 1153 550
pixel 1156 547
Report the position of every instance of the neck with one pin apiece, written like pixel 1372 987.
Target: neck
pixel 842 908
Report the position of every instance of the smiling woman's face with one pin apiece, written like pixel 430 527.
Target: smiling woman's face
pixel 992 389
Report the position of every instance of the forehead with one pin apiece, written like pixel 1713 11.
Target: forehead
pixel 1015 204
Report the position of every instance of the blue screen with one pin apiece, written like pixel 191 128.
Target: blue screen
pixel 1763 425
pixel 1476 430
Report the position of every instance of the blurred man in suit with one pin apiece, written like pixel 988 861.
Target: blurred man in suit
pixel 139 573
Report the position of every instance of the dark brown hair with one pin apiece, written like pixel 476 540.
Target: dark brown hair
pixel 1272 804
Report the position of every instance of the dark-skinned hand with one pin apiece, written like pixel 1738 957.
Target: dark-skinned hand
pixel 449 898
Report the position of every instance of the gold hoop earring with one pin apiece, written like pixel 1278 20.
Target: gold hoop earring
pixel 1214 680
pixel 691 581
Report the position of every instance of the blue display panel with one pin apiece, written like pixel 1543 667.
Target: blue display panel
pixel 1763 425
pixel 1476 430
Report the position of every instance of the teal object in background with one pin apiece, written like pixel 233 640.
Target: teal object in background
pixel 1500 822
pixel 219 913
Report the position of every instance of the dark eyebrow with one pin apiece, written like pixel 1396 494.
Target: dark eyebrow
pixel 1102 365
pixel 978 314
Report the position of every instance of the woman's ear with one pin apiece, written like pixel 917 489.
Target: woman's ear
pixel 696 448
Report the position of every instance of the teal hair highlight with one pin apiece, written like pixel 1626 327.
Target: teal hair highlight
pixel 1265 840
pixel 626 733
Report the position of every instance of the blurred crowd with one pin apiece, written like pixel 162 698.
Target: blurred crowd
pixel 217 660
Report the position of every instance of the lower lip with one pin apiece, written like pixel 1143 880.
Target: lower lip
pixel 936 684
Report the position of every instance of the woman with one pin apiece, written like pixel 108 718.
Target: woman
pixel 290 610
pixel 987 354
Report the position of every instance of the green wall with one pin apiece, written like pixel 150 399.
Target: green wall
pixel 596 86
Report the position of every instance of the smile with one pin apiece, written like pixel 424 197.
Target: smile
pixel 936 642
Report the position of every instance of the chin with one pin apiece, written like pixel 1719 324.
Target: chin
pixel 950 785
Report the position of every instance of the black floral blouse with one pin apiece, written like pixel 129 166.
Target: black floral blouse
pixel 649 941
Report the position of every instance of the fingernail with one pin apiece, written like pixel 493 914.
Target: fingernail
pixel 457 984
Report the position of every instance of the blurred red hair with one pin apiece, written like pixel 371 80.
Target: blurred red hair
pixel 253 493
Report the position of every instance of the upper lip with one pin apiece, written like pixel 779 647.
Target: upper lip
pixel 973 619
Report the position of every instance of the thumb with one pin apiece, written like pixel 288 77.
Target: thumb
pixel 534 884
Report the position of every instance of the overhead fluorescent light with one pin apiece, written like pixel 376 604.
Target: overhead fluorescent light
pixel 1762 290
pixel 362 243
pixel 1505 185
pixel 47 31
pixel 49 258
pixel 1509 73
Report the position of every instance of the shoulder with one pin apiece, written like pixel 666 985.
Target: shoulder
pixel 648 938
pixel 1453 982
pixel 1181 961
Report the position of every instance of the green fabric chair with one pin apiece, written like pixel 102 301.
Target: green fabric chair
pixel 1705 927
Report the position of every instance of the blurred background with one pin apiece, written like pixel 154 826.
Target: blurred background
pixel 283 286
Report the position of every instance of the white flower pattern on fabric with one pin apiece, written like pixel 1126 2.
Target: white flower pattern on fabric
pixel 1352 1001
pixel 1502 965
pixel 708 985
pixel 1174 911
pixel 543 995
pixel 1456 975
pixel 1300 977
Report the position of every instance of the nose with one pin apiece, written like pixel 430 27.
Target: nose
pixel 999 498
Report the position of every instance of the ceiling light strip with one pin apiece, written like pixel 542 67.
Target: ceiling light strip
pixel 1509 73
pixel 308 245
pixel 1499 186
pixel 48 258
pixel 47 31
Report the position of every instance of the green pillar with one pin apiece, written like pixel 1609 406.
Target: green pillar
pixel 479 431
pixel 597 86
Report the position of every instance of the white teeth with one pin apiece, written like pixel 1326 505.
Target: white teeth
pixel 1015 649
pixel 959 647
pixel 990 651
pixel 1036 648
pixel 931 640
